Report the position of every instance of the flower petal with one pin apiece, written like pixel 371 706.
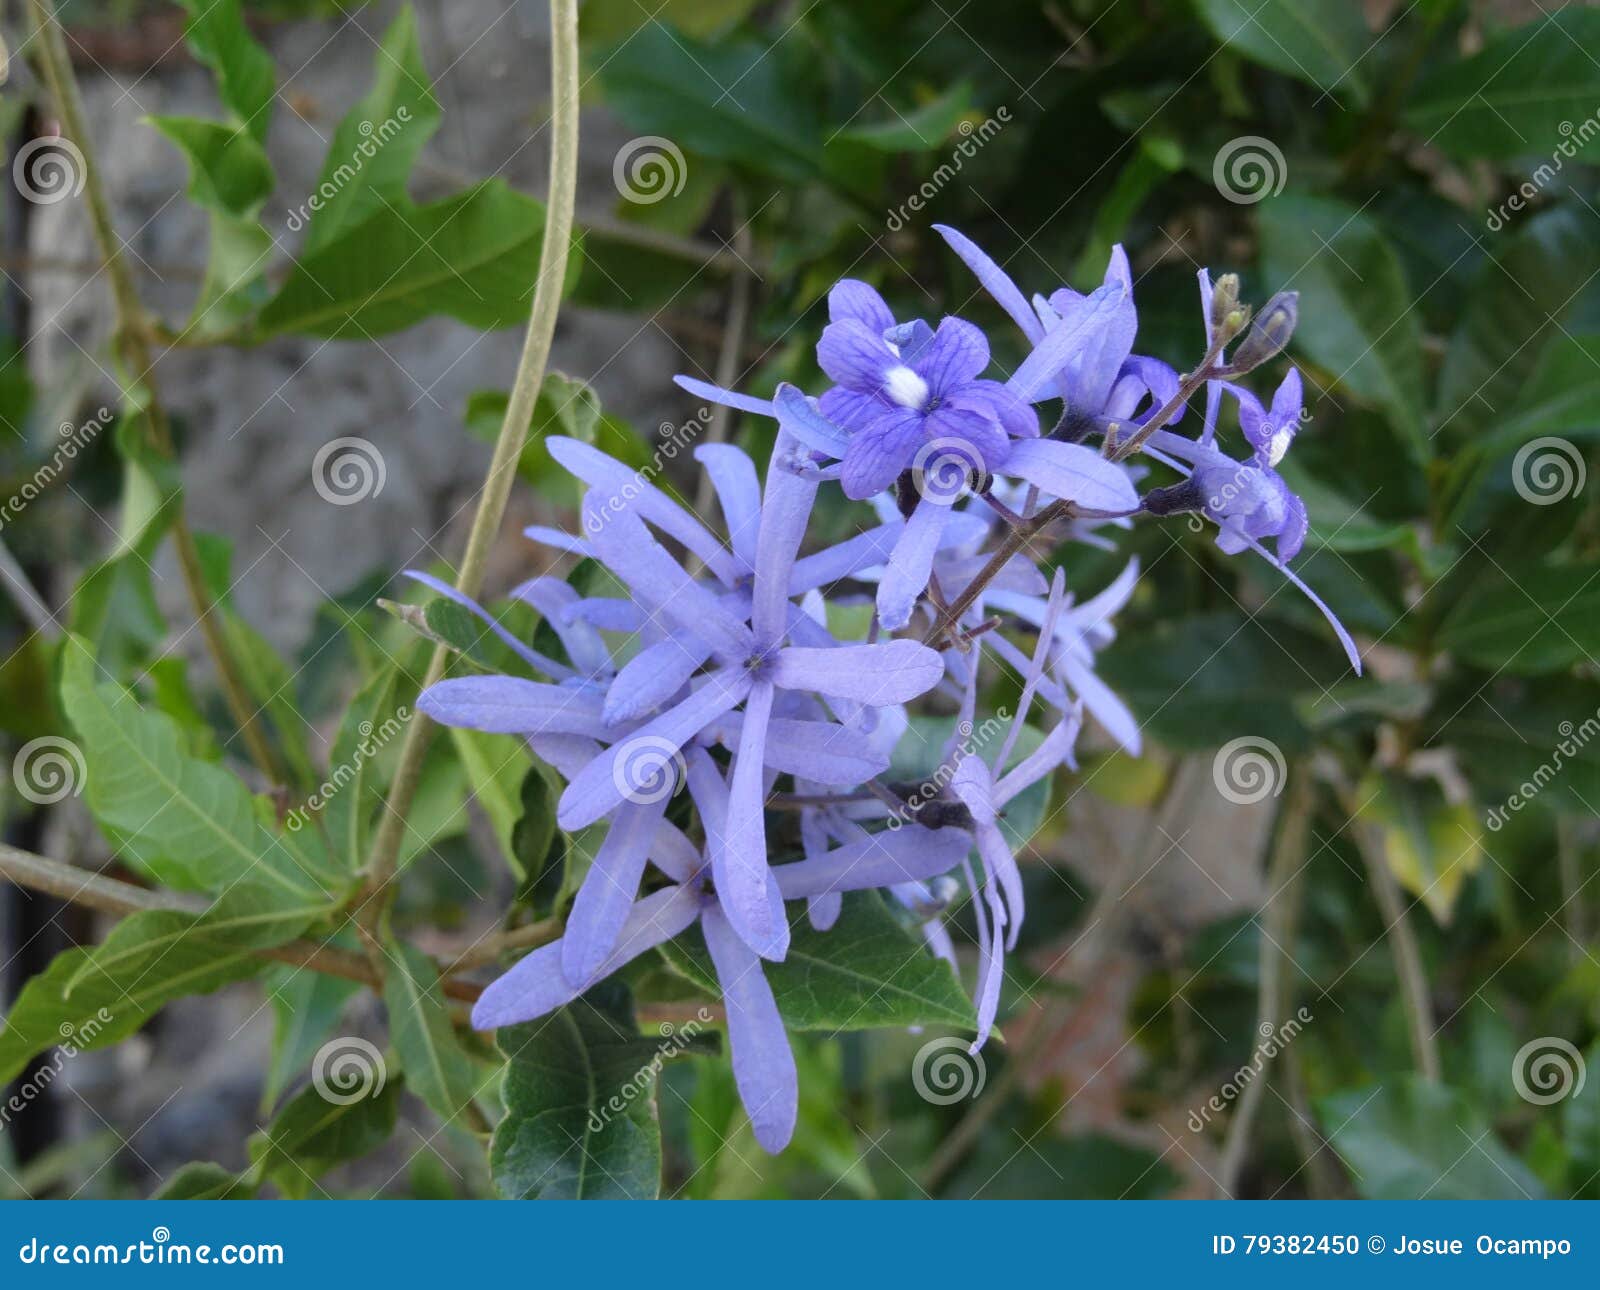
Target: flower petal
pixel 905 576
pixel 741 876
pixel 785 512
pixel 606 897
pixel 510 705
pixel 877 674
pixel 1036 377
pixel 653 676
pixel 809 424
pixel 878 453
pixel 530 656
pixel 1073 473
pixel 727 398
pixel 855 356
pixel 995 280
pixel 853 299
pixel 733 477
pixel 877 860
pixel 957 354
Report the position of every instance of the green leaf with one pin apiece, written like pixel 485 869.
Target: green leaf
pixel 496 766
pixel 189 823
pixel 305 1007
pixel 1356 314
pixel 1528 617
pixel 372 722
pixel 203 1180
pixel 218 38
pixel 228 167
pixel 437 1067
pixel 539 854
pixel 472 257
pixel 1320 42
pixel 667 85
pixel 921 129
pixel 312 1134
pixel 1430 845
pixel 1561 397
pixel 1516 305
pixel 375 146
pixel 1520 95
pixel 1412 1139
pixel 580 1120
pixel 105 1008
pixel 868 970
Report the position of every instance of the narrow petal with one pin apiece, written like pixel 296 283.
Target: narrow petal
pixel 733 476
pixel 606 897
pixel 510 705
pixel 554 599
pixel 763 1062
pixel 614 480
pixel 877 674
pixel 727 398
pixel 626 546
pixel 537 985
pixel 1110 711
pixel 1073 473
pixel 673 853
pixel 855 356
pixel 785 512
pixel 741 877
pixel 633 765
pixel 527 654
pixel 559 539
pixel 1035 378
pixel 811 426
pixel 569 754
pixel 881 859
pixel 653 676
pixel 995 280
pixel 824 910
pixel 845 559
pixel 1055 750
pixel 905 576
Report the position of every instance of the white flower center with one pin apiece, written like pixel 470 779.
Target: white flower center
pixel 1277 446
pixel 905 387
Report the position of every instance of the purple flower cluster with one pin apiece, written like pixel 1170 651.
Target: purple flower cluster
pixel 717 669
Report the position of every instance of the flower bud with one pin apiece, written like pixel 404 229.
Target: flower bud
pixel 1224 297
pixel 1274 326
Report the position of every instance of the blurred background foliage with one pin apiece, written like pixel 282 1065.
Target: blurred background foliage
pixel 1425 176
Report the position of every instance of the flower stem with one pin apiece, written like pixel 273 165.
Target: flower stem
pixel 553 252
pixel 133 352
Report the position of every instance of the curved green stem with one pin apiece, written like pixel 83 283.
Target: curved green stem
pixel 553 252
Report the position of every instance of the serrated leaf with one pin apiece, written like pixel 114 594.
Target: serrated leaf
pixel 1356 315
pixel 1318 41
pixel 1412 1139
pixel 191 824
pixel 1521 95
pixel 868 970
pixel 436 1065
pixel 203 1180
pixel 472 257
pixel 105 1009
pixel 562 1137
pixel 376 144
pixel 311 1135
